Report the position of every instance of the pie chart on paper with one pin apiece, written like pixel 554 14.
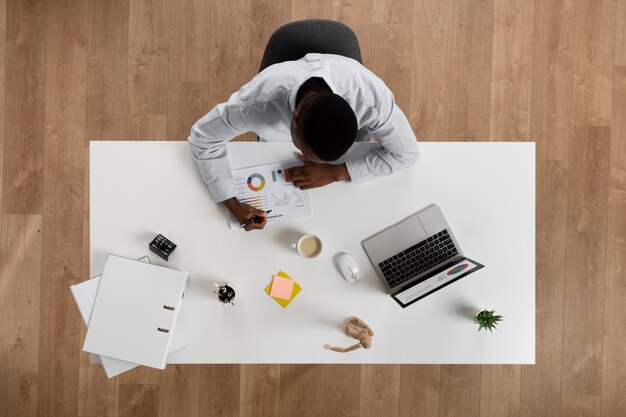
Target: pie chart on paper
pixel 457 269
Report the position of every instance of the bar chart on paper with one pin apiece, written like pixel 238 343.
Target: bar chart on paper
pixel 268 187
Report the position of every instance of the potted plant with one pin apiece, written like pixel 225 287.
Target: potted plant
pixel 487 319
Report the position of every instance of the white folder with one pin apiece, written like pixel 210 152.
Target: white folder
pixel 85 296
pixel 135 312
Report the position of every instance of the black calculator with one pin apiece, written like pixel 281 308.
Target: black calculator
pixel 162 246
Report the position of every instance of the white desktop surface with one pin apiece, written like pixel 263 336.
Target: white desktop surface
pixel 486 190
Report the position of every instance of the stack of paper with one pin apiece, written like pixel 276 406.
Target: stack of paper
pixel 122 309
pixel 283 288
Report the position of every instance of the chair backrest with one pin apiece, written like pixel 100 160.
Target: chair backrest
pixel 296 39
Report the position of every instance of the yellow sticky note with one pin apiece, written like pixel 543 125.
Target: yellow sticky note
pixel 296 289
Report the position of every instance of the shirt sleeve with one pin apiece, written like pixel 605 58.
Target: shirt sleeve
pixel 397 146
pixel 208 145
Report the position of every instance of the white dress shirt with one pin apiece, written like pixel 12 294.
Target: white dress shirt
pixel 265 106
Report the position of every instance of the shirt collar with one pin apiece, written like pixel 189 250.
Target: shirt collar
pixel 294 91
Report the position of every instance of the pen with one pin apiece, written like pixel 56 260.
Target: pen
pixel 250 220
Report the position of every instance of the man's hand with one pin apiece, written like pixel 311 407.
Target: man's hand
pixel 313 174
pixel 244 212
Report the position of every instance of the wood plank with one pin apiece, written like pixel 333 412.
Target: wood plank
pixel 3 30
pixel 107 70
pixel 188 74
pixel 219 390
pixel 138 400
pixel 620 34
pixel 300 387
pixel 419 390
pixel 66 72
pixel 585 270
pixel 431 69
pixel 614 348
pixel 592 65
pixel 459 394
pixel 179 391
pixel 259 390
pixel 357 14
pixel 340 390
pixel 380 390
pixel 470 90
pixel 541 383
pixel 229 53
pixel 511 70
pixel 303 9
pixel 148 62
pixel 392 47
pixel 553 43
pixel 269 15
pixel 500 390
pixel 22 178
pixel 20 258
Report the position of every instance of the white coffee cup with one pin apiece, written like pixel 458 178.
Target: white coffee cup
pixel 308 246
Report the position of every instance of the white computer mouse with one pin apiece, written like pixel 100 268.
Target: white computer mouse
pixel 349 268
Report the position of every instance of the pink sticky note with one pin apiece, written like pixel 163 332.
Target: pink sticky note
pixel 281 288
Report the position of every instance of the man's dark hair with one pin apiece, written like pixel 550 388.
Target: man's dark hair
pixel 327 124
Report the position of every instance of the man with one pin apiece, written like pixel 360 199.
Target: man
pixel 321 102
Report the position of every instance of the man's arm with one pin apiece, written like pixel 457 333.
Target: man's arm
pixel 397 148
pixel 208 145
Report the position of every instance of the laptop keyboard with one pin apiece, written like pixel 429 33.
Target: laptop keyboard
pixel 418 258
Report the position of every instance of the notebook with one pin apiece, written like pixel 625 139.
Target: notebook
pixel 85 296
pixel 135 312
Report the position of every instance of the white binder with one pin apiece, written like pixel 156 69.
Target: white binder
pixel 135 312
pixel 85 296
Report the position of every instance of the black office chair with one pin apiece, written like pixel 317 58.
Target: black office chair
pixel 296 39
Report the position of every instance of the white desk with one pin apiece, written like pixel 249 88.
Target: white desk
pixel 486 191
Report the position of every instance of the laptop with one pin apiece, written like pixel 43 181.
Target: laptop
pixel 415 250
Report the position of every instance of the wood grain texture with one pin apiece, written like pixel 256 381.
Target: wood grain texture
pixel 470 86
pixel 24 97
pixel 66 71
pixel 303 9
pixel 188 72
pixel 459 392
pixel 148 63
pixel 300 390
pixel 219 388
pixel 419 390
pixel 392 27
pixel 107 70
pixel 20 271
pixel 259 390
pixel 592 65
pixel 550 103
pixel 620 34
pixel 179 391
pixel 585 271
pixel 614 346
pixel 380 390
pixel 500 390
pixel 3 30
pixel 339 393
pixel 431 69
pixel 511 70
pixel 357 14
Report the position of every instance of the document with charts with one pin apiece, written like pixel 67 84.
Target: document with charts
pixel 268 187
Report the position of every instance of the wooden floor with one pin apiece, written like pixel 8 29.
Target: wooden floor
pixel 549 71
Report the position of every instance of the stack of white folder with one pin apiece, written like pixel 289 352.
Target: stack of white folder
pixel 131 312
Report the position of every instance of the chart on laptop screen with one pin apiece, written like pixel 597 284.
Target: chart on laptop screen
pixel 268 187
